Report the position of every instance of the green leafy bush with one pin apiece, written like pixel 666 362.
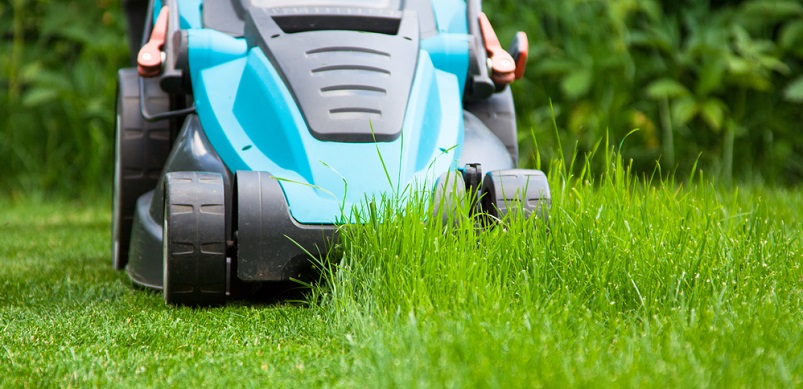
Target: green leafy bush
pixel 714 83
pixel 719 83
pixel 57 100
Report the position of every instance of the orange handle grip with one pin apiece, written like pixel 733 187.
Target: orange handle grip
pixel 149 59
pixel 503 67
pixel 522 51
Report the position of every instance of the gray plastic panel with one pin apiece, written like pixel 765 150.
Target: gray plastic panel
pixel 145 258
pixel 426 16
pixel 351 86
pixel 499 114
pixel 480 145
pixel 223 16
pixel 271 245
pixel 228 16
pixel 192 152
pixel 379 4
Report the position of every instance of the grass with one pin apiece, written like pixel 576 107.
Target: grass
pixel 68 319
pixel 637 282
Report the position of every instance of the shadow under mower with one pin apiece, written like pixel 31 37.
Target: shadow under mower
pixel 250 125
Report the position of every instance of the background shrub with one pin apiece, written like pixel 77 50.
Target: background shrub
pixel 57 87
pixel 714 82
pixel 718 80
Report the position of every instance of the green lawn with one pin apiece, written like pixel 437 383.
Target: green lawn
pixel 636 283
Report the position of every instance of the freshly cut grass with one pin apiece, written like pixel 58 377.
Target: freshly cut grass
pixel 635 282
pixel 68 319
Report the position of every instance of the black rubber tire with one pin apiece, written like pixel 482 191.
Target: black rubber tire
pixel 194 239
pixel 450 196
pixel 140 151
pixel 514 191
pixel 498 113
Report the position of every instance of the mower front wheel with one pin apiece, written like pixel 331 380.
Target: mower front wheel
pixel 451 198
pixel 194 239
pixel 515 191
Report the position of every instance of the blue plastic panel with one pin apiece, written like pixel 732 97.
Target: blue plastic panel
pixel 450 15
pixel 252 121
pixel 449 52
pixel 449 49
pixel 210 48
pixel 190 13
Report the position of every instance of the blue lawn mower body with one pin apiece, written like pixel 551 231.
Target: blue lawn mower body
pixel 252 127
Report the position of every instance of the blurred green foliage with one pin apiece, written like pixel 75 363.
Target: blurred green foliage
pixel 713 83
pixel 57 86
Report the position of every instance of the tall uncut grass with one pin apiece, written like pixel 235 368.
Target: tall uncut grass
pixel 635 281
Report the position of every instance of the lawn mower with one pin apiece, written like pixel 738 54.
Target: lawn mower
pixel 250 128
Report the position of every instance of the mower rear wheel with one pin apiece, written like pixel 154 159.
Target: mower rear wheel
pixel 194 239
pixel 140 151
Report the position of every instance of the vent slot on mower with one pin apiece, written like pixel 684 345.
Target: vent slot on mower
pixel 347 92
